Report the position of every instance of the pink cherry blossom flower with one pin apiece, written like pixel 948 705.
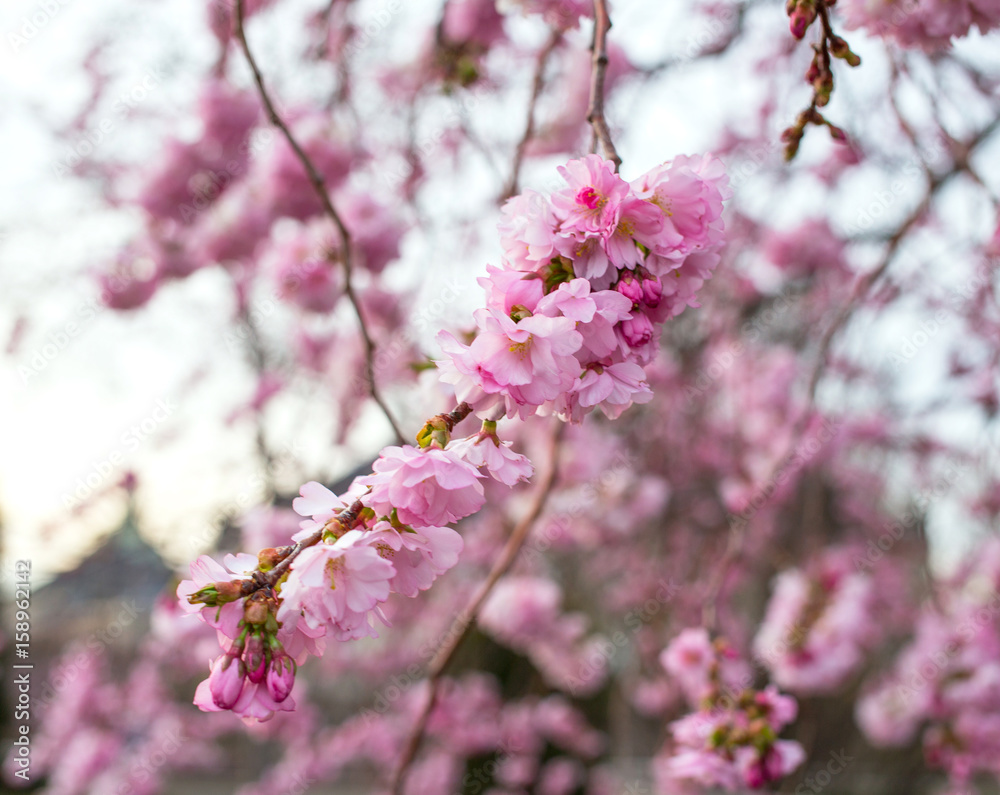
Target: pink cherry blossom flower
pixel 591 205
pixel 418 557
pixel 614 387
pixel 528 230
pixel 506 289
pixel 639 222
pixel 426 487
pixel 570 299
pixel 519 354
pixel 599 337
pixel 336 585
pixel 689 658
pixel 689 190
pixel 499 460
pixel 255 704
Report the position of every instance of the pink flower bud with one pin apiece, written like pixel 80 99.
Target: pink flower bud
pixel 800 20
pixel 637 330
pixel 281 677
pixel 652 292
pixel 630 287
pixel 837 134
pixel 256 660
pixel 226 681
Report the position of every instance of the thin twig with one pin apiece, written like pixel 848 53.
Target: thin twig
pixel 464 620
pixel 316 179
pixel 599 69
pixel 861 288
pixel 537 86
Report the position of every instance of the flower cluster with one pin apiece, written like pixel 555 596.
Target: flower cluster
pixel 571 319
pixel 818 627
pixel 255 674
pixel 928 24
pixel 947 679
pixel 730 741
pixel 589 274
pixel 386 535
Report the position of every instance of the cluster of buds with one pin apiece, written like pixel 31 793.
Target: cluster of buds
pixel 254 675
pixel 801 14
pixel 792 136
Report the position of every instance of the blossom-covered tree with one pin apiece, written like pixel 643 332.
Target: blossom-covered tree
pixel 652 511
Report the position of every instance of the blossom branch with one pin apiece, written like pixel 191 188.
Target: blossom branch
pixel 802 13
pixel 463 622
pixel 347 517
pixel 319 185
pixel 537 86
pixel 595 112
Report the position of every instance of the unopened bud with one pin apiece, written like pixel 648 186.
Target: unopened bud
pixel 800 20
pixel 256 611
pixel 629 286
pixel 256 659
pixel 226 681
pixel 652 291
pixel 218 593
pixel 281 677
pixel 637 330
pixel 268 558
pixel 837 134
pixel 840 49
